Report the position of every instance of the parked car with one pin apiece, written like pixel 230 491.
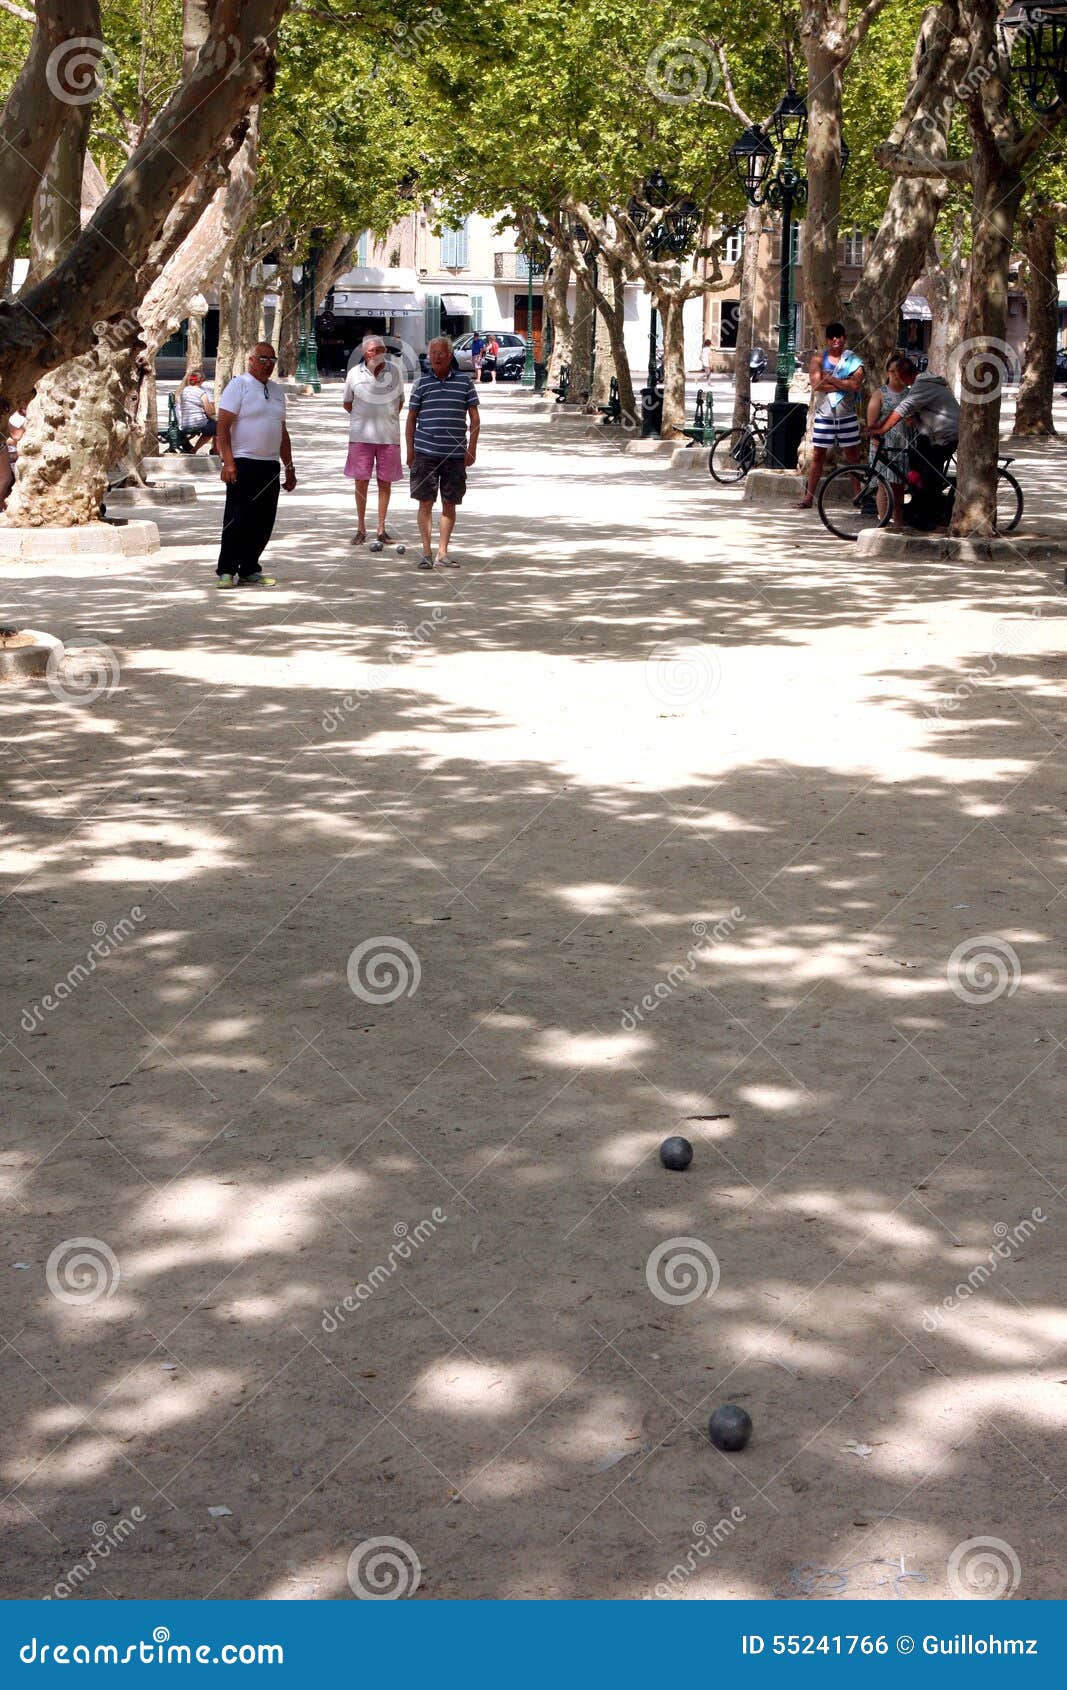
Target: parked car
pixel 1061 364
pixel 509 365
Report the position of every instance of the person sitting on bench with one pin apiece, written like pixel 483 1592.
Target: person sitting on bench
pixel 196 408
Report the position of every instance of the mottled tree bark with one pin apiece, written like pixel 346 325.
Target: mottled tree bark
pixel 581 340
pixel 673 367
pixel 1033 407
pixel 286 326
pixel 943 280
pixel 102 275
pixel 745 314
pixel 35 112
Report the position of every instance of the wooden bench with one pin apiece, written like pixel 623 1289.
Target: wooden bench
pixel 563 386
pixel 176 437
pixel 612 411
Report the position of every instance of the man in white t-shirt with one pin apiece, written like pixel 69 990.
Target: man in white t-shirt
pixel 374 398
pixel 251 439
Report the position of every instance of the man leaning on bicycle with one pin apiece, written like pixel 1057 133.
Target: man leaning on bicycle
pixel 930 406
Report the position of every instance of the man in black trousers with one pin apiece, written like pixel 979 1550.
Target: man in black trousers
pixel 251 439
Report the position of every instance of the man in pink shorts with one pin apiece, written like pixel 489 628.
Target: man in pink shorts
pixel 374 398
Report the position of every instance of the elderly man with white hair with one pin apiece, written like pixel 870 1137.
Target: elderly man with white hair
pixel 374 398
pixel 442 408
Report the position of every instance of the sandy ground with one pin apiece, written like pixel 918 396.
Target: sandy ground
pixel 675 817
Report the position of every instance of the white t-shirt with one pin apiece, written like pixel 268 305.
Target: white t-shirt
pixel 376 401
pixel 15 420
pixel 259 408
pixel 191 412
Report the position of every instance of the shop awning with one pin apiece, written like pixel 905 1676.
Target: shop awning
pixel 457 304
pixel 916 309
pixel 349 304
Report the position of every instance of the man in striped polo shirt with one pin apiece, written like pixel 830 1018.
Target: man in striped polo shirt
pixel 438 449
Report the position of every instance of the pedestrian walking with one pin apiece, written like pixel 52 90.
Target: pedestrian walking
pixel 477 352
pixel 836 376
pixel 374 397
pixel 439 452
pixel 252 438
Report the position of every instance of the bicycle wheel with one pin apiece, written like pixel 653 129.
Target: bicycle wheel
pixel 1009 502
pixel 846 513
pixel 733 453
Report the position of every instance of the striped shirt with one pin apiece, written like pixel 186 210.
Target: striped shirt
pixel 440 409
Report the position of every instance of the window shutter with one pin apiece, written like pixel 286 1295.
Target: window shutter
pixel 477 303
pixel 462 247
pixel 361 251
pixel 433 316
pixel 455 248
pixel 715 325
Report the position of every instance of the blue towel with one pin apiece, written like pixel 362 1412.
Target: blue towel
pixel 847 365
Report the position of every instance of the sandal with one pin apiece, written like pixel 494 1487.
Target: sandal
pixel 805 503
pixel 359 537
pixel 426 561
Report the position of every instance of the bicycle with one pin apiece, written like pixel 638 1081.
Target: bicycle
pixel 849 512
pixel 734 451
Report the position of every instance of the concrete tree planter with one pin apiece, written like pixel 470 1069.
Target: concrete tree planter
pixel 162 493
pixel 25 653
pixel 91 539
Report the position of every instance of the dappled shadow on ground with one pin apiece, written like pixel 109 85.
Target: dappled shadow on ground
pixel 666 832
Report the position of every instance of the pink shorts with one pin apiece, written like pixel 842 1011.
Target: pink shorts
pixel 365 456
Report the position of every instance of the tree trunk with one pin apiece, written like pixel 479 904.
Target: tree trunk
pixel 286 326
pixel 670 307
pixel 101 276
pixel 1033 408
pixel 603 362
pixel 745 313
pixel 581 340
pixel 40 104
pixel 229 303
pixel 554 293
pixel 943 282
pixel 823 167
pixel 984 356
pixel 75 430
pixel 194 348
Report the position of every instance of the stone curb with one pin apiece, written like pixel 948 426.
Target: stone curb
pixel 945 548
pixel 178 465
pixel 29 662
pixel 93 539
pixel 163 493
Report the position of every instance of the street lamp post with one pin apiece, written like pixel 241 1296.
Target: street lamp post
pixel 307 363
pixel 767 161
pixel 668 227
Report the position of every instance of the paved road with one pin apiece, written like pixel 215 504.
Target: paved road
pixel 669 819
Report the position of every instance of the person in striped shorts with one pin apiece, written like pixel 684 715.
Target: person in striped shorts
pixel 836 377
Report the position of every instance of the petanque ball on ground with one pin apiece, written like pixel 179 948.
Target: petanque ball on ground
pixel 400 550
pixel 676 1154
pixel 730 1427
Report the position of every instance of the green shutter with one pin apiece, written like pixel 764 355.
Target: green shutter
pixel 433 316
pixel 477 302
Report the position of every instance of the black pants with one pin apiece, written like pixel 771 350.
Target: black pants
pixel 248 520
pixel 931 503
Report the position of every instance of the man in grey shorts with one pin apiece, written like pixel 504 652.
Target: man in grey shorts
pixel 439 453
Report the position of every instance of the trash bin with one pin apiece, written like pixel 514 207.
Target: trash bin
pixel 787 422
pixel 651 411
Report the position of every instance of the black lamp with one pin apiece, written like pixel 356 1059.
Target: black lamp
pixel 846 154
pixel 751 154
pixel 789 125
pixel 1034 32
